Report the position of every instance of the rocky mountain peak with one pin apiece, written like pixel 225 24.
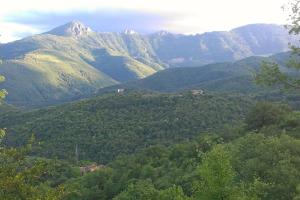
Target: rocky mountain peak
pixel 129 32
pixel 74 28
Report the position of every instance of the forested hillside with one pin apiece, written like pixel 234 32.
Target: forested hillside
pixel 252 161
pixel 110 125
pixel 255 159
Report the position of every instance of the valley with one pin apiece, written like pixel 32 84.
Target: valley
pixel 103 114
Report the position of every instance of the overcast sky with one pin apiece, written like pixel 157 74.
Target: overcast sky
pixel 20 18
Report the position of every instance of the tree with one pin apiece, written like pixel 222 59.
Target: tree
pixel 172 193
pixel 3 92
pixel 217 176
pixel 265 114
pixel 271 72
pixel 297 197
pixel 140 190
pixel 2 96
pixel 273 160
pixel 20 177
pixel 219 180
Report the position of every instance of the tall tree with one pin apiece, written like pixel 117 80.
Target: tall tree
pixel 2 92
pixel 271 72
pixel 20 176
pixel 217 176
pixel 2 96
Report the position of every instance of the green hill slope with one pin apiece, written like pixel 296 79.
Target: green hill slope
pixel 110 125
pixel 66 63
pixel 222 77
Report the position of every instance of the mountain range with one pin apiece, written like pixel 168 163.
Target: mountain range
pixel 73 61
pixel 158 117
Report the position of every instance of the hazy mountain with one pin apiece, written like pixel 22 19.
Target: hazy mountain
pixel 242 42
pixel 72 60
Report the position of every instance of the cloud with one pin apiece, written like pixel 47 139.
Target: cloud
pixel 188 16
pixel 15 31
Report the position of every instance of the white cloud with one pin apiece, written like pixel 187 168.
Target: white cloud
pixel 187 16
pixel 13 31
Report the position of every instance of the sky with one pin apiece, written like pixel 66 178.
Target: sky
pixel 21 18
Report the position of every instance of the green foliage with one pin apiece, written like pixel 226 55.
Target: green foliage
pixel 247 166
pixel 272 159
pixel 247 175
pixel 297 197
pixel 21 179
pixel 140 190
pixel 127 176
pixel 3 92
pixel 172 193
pixel 110 125
pixel 145 190
pixel 98 185
pixel 265 114
pixel 271 73
pixel 217 176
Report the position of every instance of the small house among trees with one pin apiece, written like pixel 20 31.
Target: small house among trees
pixel 120 91
pixel 197 92
pixel 90 168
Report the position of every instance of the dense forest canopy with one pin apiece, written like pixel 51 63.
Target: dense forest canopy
pixel 113 124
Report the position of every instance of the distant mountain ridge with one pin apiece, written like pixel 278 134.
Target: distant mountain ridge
pixel 194 50
pixel 72 61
